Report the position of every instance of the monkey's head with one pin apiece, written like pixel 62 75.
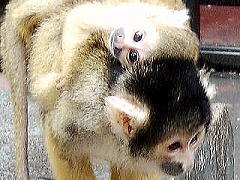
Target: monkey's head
pixel 138 41
pixel 133 43
pixel 160 109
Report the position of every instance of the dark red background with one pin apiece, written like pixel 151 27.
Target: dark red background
pixel 220 25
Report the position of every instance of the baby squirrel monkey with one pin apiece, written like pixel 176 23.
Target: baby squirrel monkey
pixel 137 29
pixel 130 94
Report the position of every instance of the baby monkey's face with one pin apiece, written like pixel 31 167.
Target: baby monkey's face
pixel 133 43
pixel 176 153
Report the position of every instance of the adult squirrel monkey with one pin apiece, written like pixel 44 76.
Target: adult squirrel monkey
pixel 114 80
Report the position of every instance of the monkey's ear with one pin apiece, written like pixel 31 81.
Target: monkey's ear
pixel 125 116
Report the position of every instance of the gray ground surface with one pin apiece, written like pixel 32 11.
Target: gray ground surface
pixel 228 92
pixel 36 148
pixel 228 87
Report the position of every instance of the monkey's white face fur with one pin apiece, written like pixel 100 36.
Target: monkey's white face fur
pixel 127 13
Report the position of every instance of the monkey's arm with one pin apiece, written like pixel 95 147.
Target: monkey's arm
pixel 81 22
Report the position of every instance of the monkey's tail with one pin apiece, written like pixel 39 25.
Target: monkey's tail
pixel 14 67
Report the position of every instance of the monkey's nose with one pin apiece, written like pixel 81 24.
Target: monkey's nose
pixel 173 168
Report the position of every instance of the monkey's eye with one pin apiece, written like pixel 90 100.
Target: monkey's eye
pixel 194 139
pixel 133 55
pixel 174 146
pixel 138 36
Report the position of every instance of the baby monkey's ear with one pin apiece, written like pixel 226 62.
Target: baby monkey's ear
pixel 126 116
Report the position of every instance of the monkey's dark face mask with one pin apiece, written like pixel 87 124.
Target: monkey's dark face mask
pixel 174 95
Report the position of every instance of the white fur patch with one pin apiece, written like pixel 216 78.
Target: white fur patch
pixel 130 12
pixel 174 18
pixel 126 107
pixel 209 87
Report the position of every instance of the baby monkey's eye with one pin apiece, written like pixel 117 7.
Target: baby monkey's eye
pixel 138 36
pixel 194 139
pixel 174 146
pixel 133 55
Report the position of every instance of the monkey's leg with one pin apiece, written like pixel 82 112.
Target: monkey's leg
pixel 120 174
pixel 66 166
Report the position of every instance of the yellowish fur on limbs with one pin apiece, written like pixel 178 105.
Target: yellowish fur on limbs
pixel 64 164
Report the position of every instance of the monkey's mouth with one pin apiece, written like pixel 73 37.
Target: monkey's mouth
pixel 173 168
